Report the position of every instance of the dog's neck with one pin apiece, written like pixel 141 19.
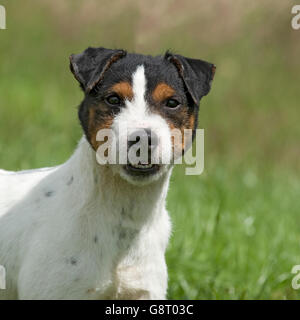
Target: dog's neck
pixel 96 186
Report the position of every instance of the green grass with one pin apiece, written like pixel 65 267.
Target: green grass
pixel 236 235
pixel 236 227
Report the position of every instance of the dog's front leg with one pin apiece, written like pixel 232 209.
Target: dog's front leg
pixel 148 282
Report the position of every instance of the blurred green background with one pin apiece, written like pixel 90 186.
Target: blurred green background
pixel 236 227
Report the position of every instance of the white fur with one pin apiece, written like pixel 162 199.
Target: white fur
pixel 82 231
pixel 139 82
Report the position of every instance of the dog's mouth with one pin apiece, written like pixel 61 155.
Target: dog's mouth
pixel 141 169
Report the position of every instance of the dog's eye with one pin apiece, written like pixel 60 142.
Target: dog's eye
pixel 172 103
pixel 113 100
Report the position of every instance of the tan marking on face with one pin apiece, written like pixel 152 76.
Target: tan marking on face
pixel 123 89
pixel 187 122
pixel 177 144
pixel 192 121
pixel 95 125
pixel 162 92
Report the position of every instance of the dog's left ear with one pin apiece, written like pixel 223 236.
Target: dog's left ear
pixel 89 66
pixel 196 74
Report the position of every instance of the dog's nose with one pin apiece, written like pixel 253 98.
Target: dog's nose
pixel 143 134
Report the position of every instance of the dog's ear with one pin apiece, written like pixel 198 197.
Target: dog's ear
pixel 196 74
pixel 89 66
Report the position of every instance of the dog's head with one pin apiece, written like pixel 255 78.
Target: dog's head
pixel 143 99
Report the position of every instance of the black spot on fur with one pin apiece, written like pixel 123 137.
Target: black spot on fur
pixel 73 261
pixel 49 193
pixel 127 234
pixel 70 181
pixel 95 239
pixel 122 234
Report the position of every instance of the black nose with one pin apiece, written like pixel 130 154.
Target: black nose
pixel 143 134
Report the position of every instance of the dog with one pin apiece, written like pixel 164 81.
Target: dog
pixel 84 230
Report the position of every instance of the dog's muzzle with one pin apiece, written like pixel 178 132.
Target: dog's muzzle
pixel 141 145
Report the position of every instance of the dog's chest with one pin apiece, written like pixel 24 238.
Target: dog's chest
pixel 120 265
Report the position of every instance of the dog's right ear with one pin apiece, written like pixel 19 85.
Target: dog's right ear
pixel 89 66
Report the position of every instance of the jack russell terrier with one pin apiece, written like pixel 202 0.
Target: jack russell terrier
pixel 85 230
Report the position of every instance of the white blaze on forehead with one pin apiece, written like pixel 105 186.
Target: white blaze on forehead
pixel 138 103
pixel 137 114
